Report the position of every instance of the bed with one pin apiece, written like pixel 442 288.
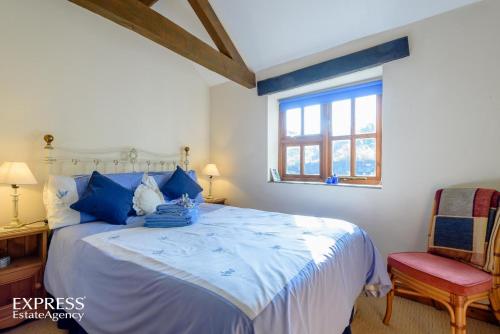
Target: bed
pixel 237 270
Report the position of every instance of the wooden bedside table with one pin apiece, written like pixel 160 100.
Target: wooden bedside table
pixel 23 277
pixel 216 200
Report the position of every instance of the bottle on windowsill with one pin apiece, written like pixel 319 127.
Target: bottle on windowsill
pixel 332 179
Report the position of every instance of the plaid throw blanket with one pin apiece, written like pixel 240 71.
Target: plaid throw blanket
pixel 463 223
pixel 490 255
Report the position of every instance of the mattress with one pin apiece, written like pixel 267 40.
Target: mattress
pixel 235 271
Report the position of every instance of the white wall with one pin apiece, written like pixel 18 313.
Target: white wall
pixel 441 127
pixel 92 84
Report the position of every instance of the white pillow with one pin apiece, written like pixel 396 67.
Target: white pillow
pixel 147 196
pixel 59 193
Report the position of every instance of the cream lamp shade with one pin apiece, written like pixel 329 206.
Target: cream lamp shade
pixel 16 173
pixel 211 170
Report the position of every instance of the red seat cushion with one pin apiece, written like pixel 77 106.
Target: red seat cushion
pixel 443 273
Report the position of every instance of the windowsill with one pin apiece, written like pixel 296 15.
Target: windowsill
pixel 350 185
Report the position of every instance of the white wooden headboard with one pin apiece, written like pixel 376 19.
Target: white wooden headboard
pixel 64 161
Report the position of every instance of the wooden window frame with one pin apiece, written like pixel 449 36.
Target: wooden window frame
pixel 324 140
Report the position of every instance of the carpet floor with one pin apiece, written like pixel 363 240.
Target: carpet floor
pixel 408 317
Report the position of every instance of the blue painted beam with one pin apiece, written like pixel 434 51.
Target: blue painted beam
pixel 353 62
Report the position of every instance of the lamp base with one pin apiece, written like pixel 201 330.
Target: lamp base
pixel 14 222
pixel 210 197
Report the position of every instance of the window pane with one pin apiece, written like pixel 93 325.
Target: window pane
pixel 293 122
pixel 341 118
pixel 312 119
pixel 341 157
pixel 293 160
pixel 311 160
pixel 365 157
pixel 366 114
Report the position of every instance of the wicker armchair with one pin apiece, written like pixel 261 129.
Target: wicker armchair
pixel 454 284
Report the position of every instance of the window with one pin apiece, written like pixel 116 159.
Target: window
pixel 332 132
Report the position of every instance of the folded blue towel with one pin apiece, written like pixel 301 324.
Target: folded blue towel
pixel 171 219
pixel 188 215
pixel 162 218
pixel 165 225
pixel 174 209
pixel 175 214
pixel 171 206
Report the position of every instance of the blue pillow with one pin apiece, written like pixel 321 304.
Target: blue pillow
pixel 162 177
pixel 128 180
pixel 106 200
pixel 181 183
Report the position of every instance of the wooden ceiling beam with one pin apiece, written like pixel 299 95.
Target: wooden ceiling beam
pixel 138 17
pixel 215 29
pixel 149 3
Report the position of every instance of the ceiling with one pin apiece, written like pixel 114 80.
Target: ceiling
pixel 272 32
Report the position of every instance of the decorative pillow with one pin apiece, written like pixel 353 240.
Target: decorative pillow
pixel 127 180
pixel 62 191
pixel 179 184
pixel 162 177
pixel 130 181
pixel 106 200
pixel 58 194
pixel 199 198
pixel 462 224
pixel 147 196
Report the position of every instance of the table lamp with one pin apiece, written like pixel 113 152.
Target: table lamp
pixel 15 174
pixel 210 170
